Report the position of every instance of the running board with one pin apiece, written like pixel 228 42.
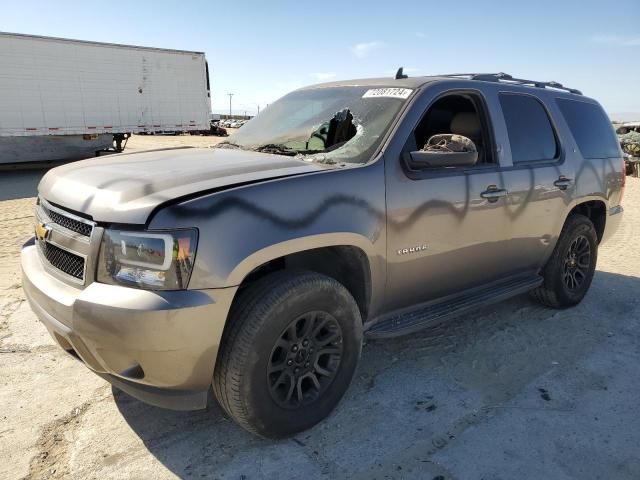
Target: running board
pixel 430 313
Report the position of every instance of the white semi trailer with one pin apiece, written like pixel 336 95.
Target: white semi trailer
pixel 66 99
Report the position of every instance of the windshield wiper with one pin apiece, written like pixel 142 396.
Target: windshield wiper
pixel 277 149
pixel 228 145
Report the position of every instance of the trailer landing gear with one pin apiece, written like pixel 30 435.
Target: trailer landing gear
pixel 119 143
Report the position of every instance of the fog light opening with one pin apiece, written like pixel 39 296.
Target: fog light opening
pixel 135 372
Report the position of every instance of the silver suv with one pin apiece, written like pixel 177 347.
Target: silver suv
pixel 367 207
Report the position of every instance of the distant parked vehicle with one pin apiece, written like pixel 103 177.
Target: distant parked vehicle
pixel 217 130
pixel 67 99
pixel 627 127
pixel 214 129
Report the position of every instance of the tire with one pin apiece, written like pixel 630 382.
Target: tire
pixel 563 285
pixel 260 351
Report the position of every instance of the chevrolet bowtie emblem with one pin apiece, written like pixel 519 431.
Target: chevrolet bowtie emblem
pixel 42 231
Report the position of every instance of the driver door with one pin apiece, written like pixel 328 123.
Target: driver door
pixel 446 231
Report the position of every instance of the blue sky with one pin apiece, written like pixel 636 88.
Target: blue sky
pixel 260 50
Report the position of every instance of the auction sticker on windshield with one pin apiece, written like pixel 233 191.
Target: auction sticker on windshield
pixel 402 93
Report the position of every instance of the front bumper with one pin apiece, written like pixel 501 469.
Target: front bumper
pixel 159 347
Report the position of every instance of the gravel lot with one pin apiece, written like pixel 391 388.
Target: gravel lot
pixel 514 391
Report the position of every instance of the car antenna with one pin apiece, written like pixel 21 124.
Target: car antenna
pixel 400 75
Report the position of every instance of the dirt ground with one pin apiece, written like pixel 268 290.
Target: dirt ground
pixel 20 183
pixel 514 391
pixel 149 142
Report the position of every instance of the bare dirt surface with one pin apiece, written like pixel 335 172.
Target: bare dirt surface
pixel 513 391
pixel 23 182
pixel 139 143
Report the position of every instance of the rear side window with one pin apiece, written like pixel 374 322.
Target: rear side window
pixel 531 135
pixel 591 129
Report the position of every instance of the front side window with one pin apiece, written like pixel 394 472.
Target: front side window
pixel 531 135
pixel 454 124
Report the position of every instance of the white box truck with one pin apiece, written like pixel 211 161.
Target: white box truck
pixel 64 99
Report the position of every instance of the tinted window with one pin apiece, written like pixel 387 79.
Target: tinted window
pixel 591 129
pixel 530 132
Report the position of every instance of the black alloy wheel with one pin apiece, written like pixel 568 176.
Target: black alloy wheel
pixel 305 359
pixel 577 263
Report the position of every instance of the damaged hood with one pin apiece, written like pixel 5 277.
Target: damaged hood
pixel 126 188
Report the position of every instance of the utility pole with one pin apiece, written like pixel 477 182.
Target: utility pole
pixel 230 96
pixel 258 108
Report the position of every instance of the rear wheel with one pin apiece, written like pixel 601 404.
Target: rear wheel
pixel 569 271
pixel 288 354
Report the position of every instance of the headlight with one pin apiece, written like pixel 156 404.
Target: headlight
pixel 161 260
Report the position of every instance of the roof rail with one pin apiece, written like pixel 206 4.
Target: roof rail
pixel 506 78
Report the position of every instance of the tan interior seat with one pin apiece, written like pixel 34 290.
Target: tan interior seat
pixel 468 125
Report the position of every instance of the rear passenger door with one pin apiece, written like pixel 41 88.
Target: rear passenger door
pixel 540 179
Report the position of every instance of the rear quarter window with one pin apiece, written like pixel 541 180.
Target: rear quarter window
pixel 591 128
pixel 531 135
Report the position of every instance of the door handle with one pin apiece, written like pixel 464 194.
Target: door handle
pixel 493 193
pixel 563 182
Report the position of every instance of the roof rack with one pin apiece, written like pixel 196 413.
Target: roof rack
pixel 506 78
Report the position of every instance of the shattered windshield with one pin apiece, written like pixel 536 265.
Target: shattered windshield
pixel 328 125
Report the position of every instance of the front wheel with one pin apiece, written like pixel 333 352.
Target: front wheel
pixel 288 354
pixel 569 271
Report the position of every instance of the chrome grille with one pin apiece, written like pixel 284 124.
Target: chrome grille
pixel 63 260
pixel 69 223
pixel 64 242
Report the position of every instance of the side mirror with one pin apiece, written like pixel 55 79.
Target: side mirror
pixel 434 159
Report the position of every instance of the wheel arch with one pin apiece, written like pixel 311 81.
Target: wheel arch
pixel 341 256
pixel 595 209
